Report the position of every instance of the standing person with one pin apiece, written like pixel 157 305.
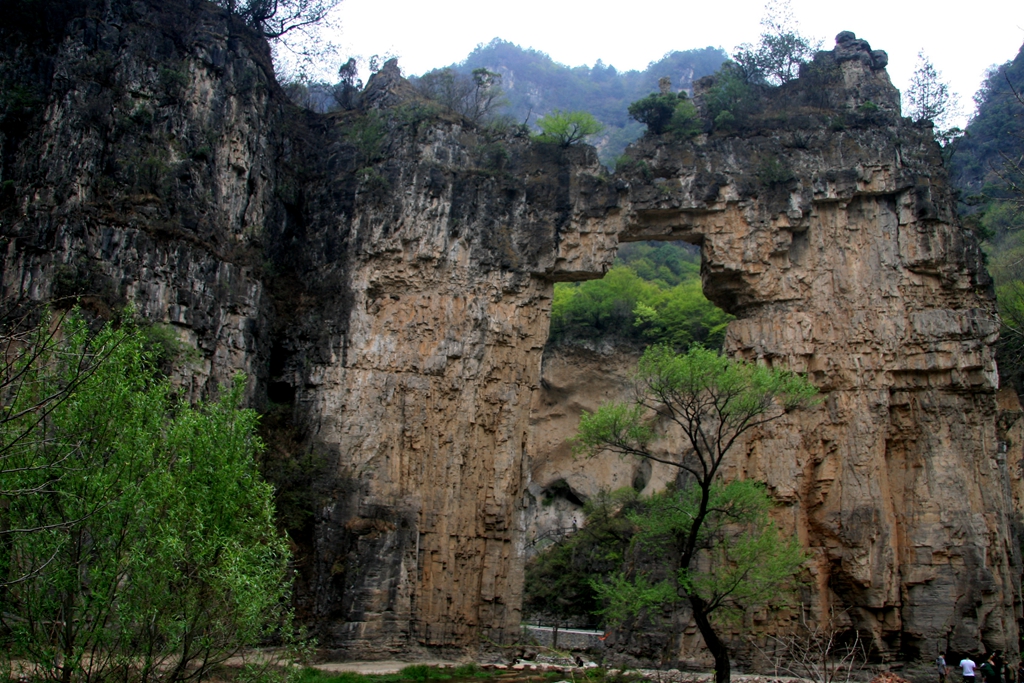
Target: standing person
pixel 967 665
pixel 1020 671
pixel 988 670
pixel 940 664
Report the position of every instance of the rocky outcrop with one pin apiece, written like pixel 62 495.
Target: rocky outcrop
pixel 827 227
pixel 383 275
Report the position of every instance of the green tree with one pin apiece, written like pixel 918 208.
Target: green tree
pixel 559 581
pixel 780 49
pixel 567 128
pixel 475 96
pixel 138 540
pixel 667 113
pixel 928 98
pixel 722 546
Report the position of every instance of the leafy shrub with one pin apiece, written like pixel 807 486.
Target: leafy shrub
pixel 366 134
pixel 567 128
pixel 731 99
pixel 559 579
pixel 667 113
pixel 685 121
pixel 773 171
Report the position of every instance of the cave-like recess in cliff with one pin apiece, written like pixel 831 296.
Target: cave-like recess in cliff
pixel 388 271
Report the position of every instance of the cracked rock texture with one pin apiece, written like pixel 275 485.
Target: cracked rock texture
pixel 828 229
pixel 383 276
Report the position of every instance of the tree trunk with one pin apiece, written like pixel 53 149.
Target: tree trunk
pixel 723 671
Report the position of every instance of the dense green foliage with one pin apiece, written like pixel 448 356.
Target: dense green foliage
pixel 653 294
pixel 718 541
pixel 744 562
pixel 138 540
pixel 988 169
pixel 560 579
pixel 667 113
pixel 567 128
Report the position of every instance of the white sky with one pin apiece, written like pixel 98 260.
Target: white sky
pixel 961 39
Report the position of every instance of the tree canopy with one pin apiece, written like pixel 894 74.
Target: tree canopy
pixel 780 50
pixel 137 539
pixel 723 549
pixel 567 128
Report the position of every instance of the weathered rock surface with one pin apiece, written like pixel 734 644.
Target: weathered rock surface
pixel 384 277
pixel 828 229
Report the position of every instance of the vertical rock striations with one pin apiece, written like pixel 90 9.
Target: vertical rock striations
pixel 384 275
pixel 828 228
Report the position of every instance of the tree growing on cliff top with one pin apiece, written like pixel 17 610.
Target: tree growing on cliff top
pixel 275 18
pixel 780 50
pixel 928 98
pixel 474 96
pixel 723 549
pixel 567 128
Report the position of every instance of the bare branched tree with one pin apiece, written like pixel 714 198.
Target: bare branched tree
pixel 474 96
pixel 275 18
pixel 822 653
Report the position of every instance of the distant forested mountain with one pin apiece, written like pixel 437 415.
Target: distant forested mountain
pixel 535 85
pixel 988 169
pixel 996 133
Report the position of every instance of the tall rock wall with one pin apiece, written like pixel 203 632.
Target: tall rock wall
pixel 383 276
pixel 828 228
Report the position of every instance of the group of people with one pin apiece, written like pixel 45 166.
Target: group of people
pixel 992 670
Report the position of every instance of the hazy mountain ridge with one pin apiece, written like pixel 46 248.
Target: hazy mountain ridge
pixel 535 85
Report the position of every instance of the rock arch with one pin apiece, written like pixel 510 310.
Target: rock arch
pixel 401 306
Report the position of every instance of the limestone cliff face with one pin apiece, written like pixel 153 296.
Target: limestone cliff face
pixel 383 276
pixel 838 249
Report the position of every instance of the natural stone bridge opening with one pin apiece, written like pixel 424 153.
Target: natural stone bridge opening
pixel 400 306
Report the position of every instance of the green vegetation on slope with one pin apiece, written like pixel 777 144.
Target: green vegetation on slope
pixel 535 85
pixel 137 523
pixel 988 169
pixel 996 133
pixel 652 295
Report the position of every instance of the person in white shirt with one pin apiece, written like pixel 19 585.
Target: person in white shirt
pixel 968 666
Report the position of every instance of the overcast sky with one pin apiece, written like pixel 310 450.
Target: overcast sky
pixel 629 34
